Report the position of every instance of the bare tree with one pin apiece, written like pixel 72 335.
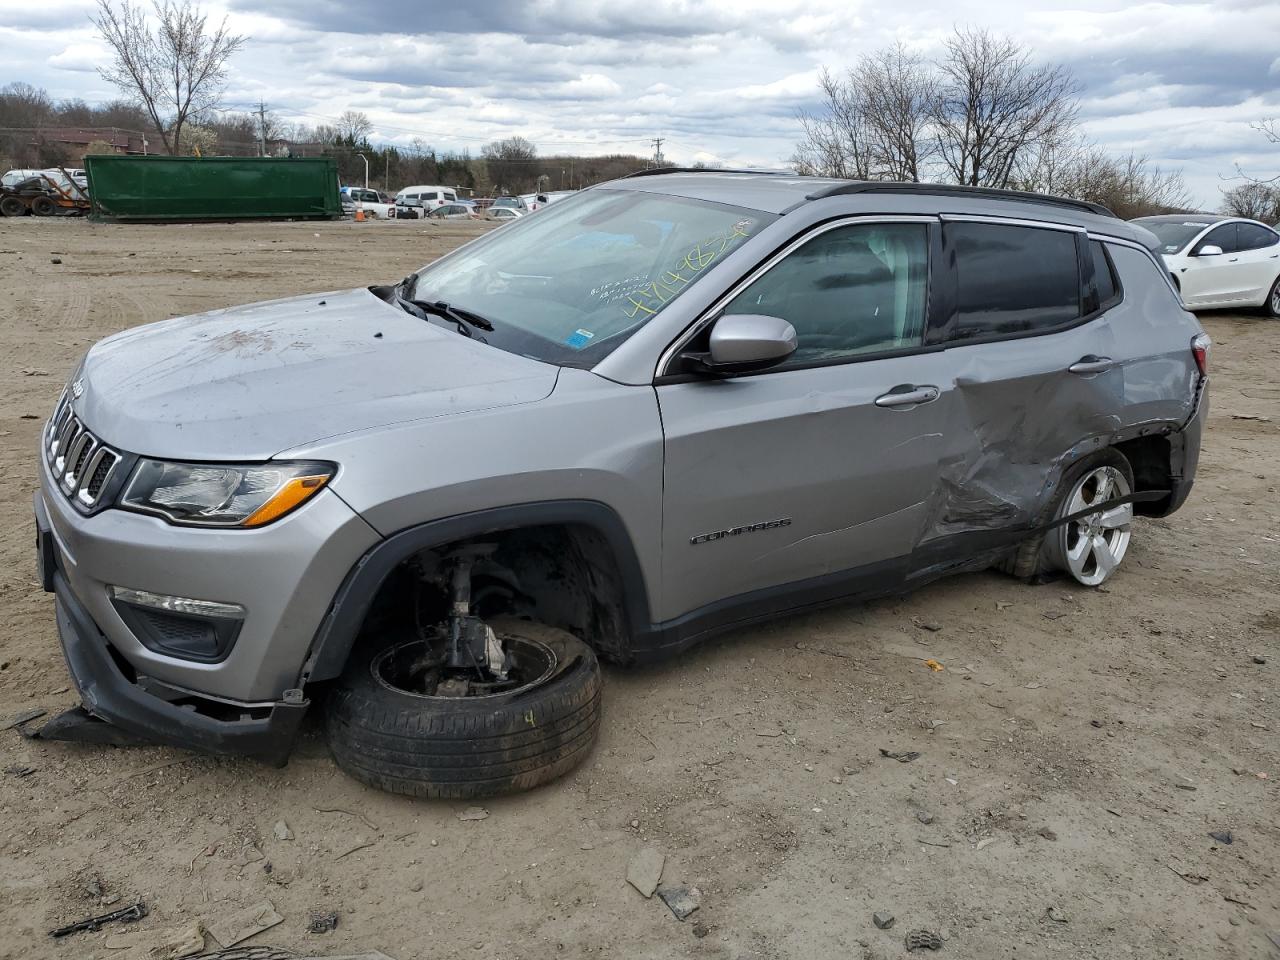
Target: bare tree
pixel 354 126
pixel 1269 127
pixel 993 107
pixel 1130 185
pixel 175 70
pixel 1255 201
pixel 510 163
pixel 897 92
pixel 838 142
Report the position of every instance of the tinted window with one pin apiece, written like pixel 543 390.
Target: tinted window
pixel 1103 275
pixel 1250 236
pixel 1013 279
pixel 1223 236
pixel 850 291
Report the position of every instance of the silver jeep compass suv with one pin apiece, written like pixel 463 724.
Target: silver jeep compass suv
pixel 663 407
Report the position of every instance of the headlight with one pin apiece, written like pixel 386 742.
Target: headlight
pixel 222 495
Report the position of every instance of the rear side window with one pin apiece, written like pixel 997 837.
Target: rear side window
pixel 1250 236
pixel 1104 275
pixel 1013 279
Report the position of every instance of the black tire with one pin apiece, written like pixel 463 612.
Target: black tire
pixel 460 748
pixel 1272 307
pixel 1030 561
pixel 12 207
pixel 43 206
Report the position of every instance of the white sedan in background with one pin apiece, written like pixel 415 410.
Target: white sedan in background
pixel 1220 261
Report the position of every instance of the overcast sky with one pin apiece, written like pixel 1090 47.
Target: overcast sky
pixel 720 80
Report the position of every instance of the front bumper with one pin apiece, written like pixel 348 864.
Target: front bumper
pixel 112 691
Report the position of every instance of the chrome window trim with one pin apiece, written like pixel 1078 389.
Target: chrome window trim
pixel 1010 222
pixel 711 313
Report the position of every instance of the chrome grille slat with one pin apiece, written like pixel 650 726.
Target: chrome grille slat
pixel 80 462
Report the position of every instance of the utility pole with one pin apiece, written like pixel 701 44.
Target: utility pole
pixel 262 129
pixel 657 151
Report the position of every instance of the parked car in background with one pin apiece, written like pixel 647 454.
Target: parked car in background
pixel 1220 261
pixel 503 213
pixel 418 201
pixel 455 211
pixel 514 203
pixel 368 200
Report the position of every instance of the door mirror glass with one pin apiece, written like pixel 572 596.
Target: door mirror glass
pixel 742 342
pixel 1209 250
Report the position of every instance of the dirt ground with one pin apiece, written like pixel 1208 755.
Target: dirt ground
pixel 1076 751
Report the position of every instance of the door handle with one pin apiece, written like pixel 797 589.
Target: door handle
pixel 1091 364
pixel 1234 260
pixel 907 395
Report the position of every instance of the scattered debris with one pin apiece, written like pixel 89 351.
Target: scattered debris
pixel 768 733
pixel 681 900
pixel 281 831
pixel 1003 604
pixel 984 842
pixel 1096 723
pixel 923 940
pixel 1056 915
pixel 18 770
pixel 883 919
pixel 1222 836
pixel 924 816
pixel 1185 786
pixel 644 872
pixel 59 260
pixel 127 915
pixel 237 927
pixel 1195 879
pixel 1054 614
pixel 473 813
pixel 934 665
pixel 33 372
pixel 1048 834
pixel 26 716
pixel 905 757
pixel 1234 416
pixel 700 929
pixel 931 843
pixel 367 822
pixel 926 625
pixel 321 922
pixel 1259 660
pixel 176 943
pixel 362 845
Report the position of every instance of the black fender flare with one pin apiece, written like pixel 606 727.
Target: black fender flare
pixel 337 632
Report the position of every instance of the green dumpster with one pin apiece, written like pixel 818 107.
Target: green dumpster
pixel 213 188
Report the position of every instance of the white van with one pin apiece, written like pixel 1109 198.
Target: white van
pixel 420 200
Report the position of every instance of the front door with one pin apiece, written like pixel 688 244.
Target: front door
pixel 795 476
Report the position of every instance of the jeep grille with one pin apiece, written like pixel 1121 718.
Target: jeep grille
pixel 80 462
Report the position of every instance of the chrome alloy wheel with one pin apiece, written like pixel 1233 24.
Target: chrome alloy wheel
pixel 1091 547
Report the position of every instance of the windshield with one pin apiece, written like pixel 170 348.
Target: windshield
pixel 1174 234
pixel 571 283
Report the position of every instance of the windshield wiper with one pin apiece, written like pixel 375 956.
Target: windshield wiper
pixel 464 320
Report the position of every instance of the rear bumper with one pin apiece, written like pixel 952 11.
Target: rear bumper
pixel 1184 450
pixel 154 710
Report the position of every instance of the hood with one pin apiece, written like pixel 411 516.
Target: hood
pixel 247 382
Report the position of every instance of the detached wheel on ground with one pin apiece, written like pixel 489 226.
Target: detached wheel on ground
pixel 471 740
pixel 1089 548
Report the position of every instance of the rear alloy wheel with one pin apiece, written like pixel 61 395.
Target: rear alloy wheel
pixel 1273 301
pixel 1092 546
pixel 401 720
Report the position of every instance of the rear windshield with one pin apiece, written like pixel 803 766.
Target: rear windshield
pixel 573 282
pixel 1175 234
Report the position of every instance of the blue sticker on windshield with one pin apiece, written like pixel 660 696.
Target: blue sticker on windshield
pixel 579 339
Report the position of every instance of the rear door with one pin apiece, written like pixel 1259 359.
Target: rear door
pixel 1259 255
pixel 796 476
pixel 1030 360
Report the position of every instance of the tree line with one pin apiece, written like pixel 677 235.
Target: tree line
pixel 983 113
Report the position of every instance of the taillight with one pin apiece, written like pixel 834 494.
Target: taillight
pixel 1200 347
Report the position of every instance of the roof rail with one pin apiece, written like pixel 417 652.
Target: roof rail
pixel 655 171
pixel 953 190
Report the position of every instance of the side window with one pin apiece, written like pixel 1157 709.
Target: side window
pixel 1251 236
pixel 1104 275
pixel 1013 279
pixel 850 291
pixel 1223 236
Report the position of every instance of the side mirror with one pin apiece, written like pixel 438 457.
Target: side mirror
pixel 1209 250
pixel 743 342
